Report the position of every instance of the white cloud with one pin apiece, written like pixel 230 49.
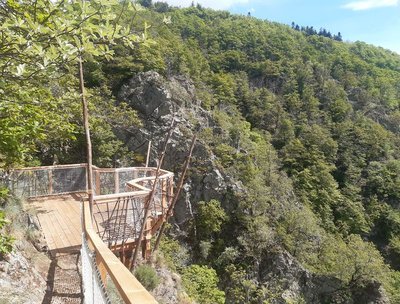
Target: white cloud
pixel 215 4
pixel 369 4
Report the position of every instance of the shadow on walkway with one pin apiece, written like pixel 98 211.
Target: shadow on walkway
pixel 64 281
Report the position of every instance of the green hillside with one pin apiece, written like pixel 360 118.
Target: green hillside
pixel 310 127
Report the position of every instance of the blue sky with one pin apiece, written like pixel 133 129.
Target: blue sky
pixel 373 21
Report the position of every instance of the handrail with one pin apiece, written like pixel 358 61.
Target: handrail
pixel 135 182
pixel 128 286
pixel 51 167
pixel 104 197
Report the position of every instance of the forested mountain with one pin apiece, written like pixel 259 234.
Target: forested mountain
pixel 307 128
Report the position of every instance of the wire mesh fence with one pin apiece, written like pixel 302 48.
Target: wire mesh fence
pixel 119 218
pixel 64 179
pixel 94 291
pixel 108 181
pixel 42 181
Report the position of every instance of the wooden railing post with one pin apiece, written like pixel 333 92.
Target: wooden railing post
pixel 116 181
pixel 146 245
pixel 98 190
pixel 50 173
pixel 102 270
pixel 163 195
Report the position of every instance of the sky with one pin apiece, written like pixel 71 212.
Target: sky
pixel 376 22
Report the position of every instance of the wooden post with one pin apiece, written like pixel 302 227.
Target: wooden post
pixel 146 245
pixel 171 207
pixel 98 189
pixel 116 180
pixel 87 134
pixel 151 195
pixel 148 154
pixel 163 195
pixel 50 181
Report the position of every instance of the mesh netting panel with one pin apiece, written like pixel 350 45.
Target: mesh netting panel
pixel 120 220
pixel 124 177
pixel 69 180
pixel 30 183
pixel 135 216
pixel 156 205
pixel 47 181
pixel 142 173
pixel 93 288
pixel 107 183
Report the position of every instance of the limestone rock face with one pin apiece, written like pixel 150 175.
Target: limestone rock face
pixel 148 94
pixel 169 288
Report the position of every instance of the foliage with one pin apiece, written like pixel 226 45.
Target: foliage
pixel 289 101
pixel 209 218
pixel 241 289
pixel 304 129
pixel 175 255
pixel 200 282
pixel 147 276
pixel 6 241
pixel 42 42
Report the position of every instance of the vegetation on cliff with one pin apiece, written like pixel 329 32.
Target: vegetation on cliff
pixel 308 125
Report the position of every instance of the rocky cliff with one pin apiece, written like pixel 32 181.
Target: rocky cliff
pixel 158 102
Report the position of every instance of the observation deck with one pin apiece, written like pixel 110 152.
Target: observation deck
pixel 106 231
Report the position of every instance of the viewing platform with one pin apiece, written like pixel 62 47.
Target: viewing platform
pixel 59 218
pixel 129 206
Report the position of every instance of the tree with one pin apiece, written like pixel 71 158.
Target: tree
pixel 209 218
pixel 200 283
pixel 42 40
pixel 338 37
pixel 145 3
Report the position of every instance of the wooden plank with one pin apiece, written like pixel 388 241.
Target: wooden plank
pixel 43 220
pixel 68 229
pixel 51 167
pixel 58 234
pixel 54 225
pixel 72 221
pixel 67 233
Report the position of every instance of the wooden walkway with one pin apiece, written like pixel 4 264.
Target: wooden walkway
pixel 60 221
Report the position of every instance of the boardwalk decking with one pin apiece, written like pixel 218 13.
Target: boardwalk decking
pixel 60 221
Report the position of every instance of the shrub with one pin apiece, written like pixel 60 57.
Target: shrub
pixel 200 283
pixel 147 276
pixel 176 256
pixel 6 241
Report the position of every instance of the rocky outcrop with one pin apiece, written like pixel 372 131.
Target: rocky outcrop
pixel 282 272
pixel 158 102
pixel 20 281
pixel 170 289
